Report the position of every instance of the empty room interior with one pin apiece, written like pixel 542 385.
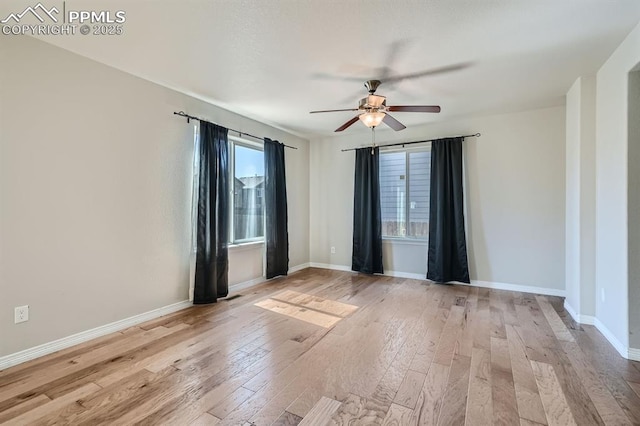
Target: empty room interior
pixel 319 212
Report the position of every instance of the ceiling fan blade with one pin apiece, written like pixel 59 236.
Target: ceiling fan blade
pixel 348 123
pixel 333 110
pixel 441 70
pixel 393 123
pixel 414 108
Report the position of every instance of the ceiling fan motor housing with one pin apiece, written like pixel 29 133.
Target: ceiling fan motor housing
pixel 372 102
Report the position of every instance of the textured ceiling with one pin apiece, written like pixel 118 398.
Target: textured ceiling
pixel 276 60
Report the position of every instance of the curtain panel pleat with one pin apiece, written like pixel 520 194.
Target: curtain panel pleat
pixel 212 261
pixel 447 254
pixel 276 219
pixel 367 225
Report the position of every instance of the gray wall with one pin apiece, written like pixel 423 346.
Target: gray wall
pixel 634 209
pixel 612 209
pixel 515 198
pixel 95 192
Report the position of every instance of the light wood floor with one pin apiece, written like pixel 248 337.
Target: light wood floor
pixel 338 348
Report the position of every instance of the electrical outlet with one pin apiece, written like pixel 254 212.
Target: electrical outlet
pixel 602 294
pixel 333 250
pixel 21 314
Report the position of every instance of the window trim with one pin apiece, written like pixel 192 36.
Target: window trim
pixel 233 141
pixel 407 150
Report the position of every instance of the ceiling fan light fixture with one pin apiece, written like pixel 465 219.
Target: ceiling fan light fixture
pixel 372 119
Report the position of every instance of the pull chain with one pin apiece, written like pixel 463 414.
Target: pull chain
pixel 373 139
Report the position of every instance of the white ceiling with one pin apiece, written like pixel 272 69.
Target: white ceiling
pixel 276 60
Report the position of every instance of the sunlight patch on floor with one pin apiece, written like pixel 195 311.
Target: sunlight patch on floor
pixel 313 309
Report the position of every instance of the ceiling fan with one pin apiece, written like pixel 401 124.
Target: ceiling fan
pixel 373 110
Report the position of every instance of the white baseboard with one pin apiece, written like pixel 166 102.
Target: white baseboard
pixel 410 275
pixel 617 344
pixel 517 287
pixel 329 266
pixel 582 319
pixel 634 354
pixel 628 353
pixel 246 284
pixel 475 283
pixel 299 267
pixel 66 342
pixel 258 280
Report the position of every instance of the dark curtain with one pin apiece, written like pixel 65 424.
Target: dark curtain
pixel 275 198
pixel 367 226
pixel 212 262
pixel 447 242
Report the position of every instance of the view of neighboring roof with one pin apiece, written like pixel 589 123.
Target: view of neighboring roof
pixel 251 181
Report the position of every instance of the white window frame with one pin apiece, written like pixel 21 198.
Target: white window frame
pixel 233 141
pixel 423 148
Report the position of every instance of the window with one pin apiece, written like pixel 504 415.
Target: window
pixel 405 179
pixel 247 186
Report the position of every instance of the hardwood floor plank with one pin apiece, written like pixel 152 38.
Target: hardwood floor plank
pixel 447 344
pixel 321 413
pixel 469 323
pixel 614 371
pixel 397 415
pixel 27 406
pixel 454 402
pixel 288 419
pixel 505 406
pixel 230 403
pixel 407 395
pixel 429 401
pixel 354 411
pixel 311 316
pixel 525 422
pixel 446 354
pixel 496 313
pixel 635 387
pixel 526 389
pixel 558 327
pixel 325 353
pixel 41 411
pixel 64 368
pixel 610 412
pixel 189 406
pixel 575 391
pixel 427 349
pixel 553 399
pixel 393 378
pixel 479 404
pixel 206 419
pixel 316 303
pixel 482 331
pixel 191 385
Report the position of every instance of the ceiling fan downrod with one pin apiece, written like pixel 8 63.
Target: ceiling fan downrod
pixel 372 85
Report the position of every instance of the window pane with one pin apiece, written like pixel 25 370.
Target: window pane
pixel 419 186
pixel 248 194
pixel 393 200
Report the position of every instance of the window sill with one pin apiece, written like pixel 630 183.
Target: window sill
pixel 404 242
pixel 251 245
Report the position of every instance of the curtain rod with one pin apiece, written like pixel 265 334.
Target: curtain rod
pixel 191 117
pixel 476 135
